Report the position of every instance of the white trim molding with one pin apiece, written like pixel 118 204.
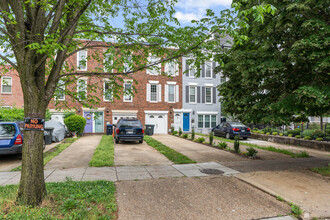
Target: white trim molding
pixel 207 113
pixel 183 110
pixel 153 82
pixel 155 112
pixel 192 84
pixel 208 85
pixel 93 110
pixel 124 111
pixel 170 83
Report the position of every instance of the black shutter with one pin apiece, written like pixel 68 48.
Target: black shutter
pixel 203 94
pixel 198 94
pixel 214 95
pixel 186 67
pixel 187 94
pixel 213 67
pixel 203 70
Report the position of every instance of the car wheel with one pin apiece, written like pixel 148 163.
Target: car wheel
pixel 117 141
pixel 141 141
pixel 227 136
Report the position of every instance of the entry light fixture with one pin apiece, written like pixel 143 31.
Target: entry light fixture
pixel 107 110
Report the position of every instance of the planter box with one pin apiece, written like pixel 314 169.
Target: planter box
pixel 319 145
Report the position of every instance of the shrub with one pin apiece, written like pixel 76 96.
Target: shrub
pixel 281 134
pixel 180 132
pixel 251 152
pixel 262 132
pixel 223 145
pixel 319 139
pixel 17 114
pixel 297 136
pixel 318 134
pixel 193 134
pixel 295 132
pixel 211 138
pixel 274 133
pixel 175 132
pixel 289 135
pixel 75 123
pixel 185 135
pixel 308 132
pixel 268 133
pixel 200 139
pixel 68 114
pixel 268 129
pixel 308 138
pixel 236 144
pixel 172 129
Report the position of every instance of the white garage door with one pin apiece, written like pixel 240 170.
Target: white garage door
pixel 160 122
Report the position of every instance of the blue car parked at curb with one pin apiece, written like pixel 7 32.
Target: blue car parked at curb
pixel 11 138
pixel 129 130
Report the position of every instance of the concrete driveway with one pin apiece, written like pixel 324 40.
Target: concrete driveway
pixel 136 154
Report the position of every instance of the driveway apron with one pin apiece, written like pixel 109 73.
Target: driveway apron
pixel 78 154
pixel 135 154
pixel 196 151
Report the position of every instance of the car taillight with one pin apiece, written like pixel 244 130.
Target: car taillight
pixel 248 129
pixel 142 131
pixel 117 130
pixel 235 129
pixel 19 140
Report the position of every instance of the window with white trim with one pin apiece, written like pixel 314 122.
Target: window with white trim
pixel 208 70
pixel 155 68
pixel 107 91
pixel 82 60
pixel 108 62
pixel 60 91
pixel 128 64
pixel 208 95
pixel 171 93
pixel 154 91
pixel 172 68
pixel 7 107
pixel 207 121
pixel 192 94
pixel 6 85
pixel 128 91
pixel 82 89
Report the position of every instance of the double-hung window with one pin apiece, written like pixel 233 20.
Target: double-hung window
pixel 60 91
pixel 107 91
pixel 208 95
pixel 155 68
pixel 171 68
pixel 128 91
pixel 154 91
pixel 82 60
pixel 6 85
pixel 108 62
pixel 207 121
pixel 82 89
pixel 208 70
pixel 128 64
pixel 171 93
pixel 192 94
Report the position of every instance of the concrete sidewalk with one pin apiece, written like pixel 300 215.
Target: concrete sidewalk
pixel 121 173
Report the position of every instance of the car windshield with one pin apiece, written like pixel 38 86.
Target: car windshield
pixel 237 124
pixel 7 130
pixel 130 124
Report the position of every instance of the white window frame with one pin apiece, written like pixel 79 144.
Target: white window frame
pixel 104 91
pixel 195 87
pixel 60 85
pixel 125 96
pixel 172 68
pixel 158 91
pixel 78 90
pixel 127 63
pixel 78 60
pixel 168 93
pixel 192 69
pixel 211 70
pixel 6 107
pixel 209 87
pixel 155 69
pixel 7 84
pixel 106 59
pixel 204 121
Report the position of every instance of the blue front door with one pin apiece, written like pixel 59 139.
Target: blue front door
pixel 186 122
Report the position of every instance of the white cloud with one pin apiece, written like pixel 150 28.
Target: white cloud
pixel 188 10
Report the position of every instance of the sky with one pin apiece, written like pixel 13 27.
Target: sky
pixel 187 10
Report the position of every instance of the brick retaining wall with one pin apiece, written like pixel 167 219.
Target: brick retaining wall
pixel 319 145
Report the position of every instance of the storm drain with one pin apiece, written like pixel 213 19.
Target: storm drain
pixel 212 171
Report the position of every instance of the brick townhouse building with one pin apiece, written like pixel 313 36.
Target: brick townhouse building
pixel 156 98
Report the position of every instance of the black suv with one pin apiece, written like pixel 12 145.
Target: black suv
pixel 129 130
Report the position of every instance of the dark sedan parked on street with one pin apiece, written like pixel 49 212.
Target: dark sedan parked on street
pixel 230 129
pixel 129 130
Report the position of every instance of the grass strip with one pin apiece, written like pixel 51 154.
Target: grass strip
pixel 64 200
pixel 104 153
pixel 270 148
pixel 324 171
pixel 171 154
pixel 50 154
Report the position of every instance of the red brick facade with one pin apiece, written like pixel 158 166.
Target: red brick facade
pixel 15 98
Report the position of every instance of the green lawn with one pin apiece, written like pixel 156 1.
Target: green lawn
pixel 50 154
pixel 171 154
pixel 325 171
pixel 104 153
pixel 68 200
pixel 270 148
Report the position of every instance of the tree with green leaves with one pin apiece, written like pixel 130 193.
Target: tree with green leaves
pixel 39 37
pixel 281 73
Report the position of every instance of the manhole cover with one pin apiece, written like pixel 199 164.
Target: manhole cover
pixel 212 171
